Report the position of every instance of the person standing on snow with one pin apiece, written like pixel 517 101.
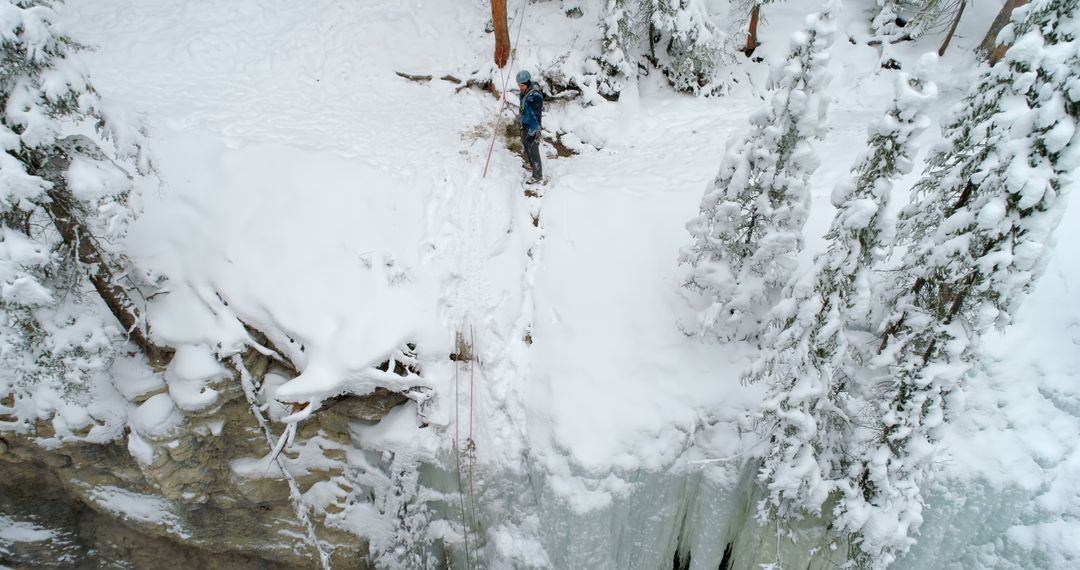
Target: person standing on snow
pixel 529 115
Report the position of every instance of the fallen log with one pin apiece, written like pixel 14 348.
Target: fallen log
pixel 413 77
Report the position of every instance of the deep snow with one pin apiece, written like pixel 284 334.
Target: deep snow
pixel 306 189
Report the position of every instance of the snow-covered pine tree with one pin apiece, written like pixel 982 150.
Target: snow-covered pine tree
pixel 901 20
pixel 750 227
pixel 692 45
pixel 886 21
pixel 898 20
pixel 808 363
pixel 50 332
pixel 676 36
pixel 885 30
pixel 925 16
pixel 978 233
pixel 621 38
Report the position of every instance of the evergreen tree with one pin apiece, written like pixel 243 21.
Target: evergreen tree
pixel 50 331
pixel 621 38
pixel 977 233
pixel 809 362
pixel 925 16
pixel 677 37
pixel 750 226
pixel 692 45
pixel 886 29
pixel 887 24
pixel 898 20
pixel 902 20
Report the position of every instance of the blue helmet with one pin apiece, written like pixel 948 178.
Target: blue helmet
pixel 523 77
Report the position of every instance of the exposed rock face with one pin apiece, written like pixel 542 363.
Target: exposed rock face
pixel 70 534
pixel 203 493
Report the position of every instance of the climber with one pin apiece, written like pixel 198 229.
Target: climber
pixel 530 112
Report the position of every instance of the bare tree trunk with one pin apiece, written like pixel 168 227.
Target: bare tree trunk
pixel 952 29
pixel 751 38
pixel 502 34
pixel 989 45
pixel 65 216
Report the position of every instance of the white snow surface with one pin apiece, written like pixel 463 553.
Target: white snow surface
pixel 305 189
pixel 137 507
pixel 12 530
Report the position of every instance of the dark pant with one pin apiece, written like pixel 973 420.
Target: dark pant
pixel 532 152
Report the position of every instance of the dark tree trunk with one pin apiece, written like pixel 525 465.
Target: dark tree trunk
pixel 952 29
pixel 989 45
pixel 751 38
pixel 63 210
pixel 502 34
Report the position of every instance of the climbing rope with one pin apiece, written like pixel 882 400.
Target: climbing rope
pixel 470 446
pixel 465 352
pixel 457 458
pixel 506 78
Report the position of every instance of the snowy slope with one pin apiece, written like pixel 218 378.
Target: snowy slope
pixel 306 189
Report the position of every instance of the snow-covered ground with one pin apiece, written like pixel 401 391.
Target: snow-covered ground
pixel 306 189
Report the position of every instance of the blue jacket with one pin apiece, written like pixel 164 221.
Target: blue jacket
pixel 531 109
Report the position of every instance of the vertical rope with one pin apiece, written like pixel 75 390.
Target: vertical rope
pixel 471 448
pixel 506 78
pixel 472 346
pixel 457 458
